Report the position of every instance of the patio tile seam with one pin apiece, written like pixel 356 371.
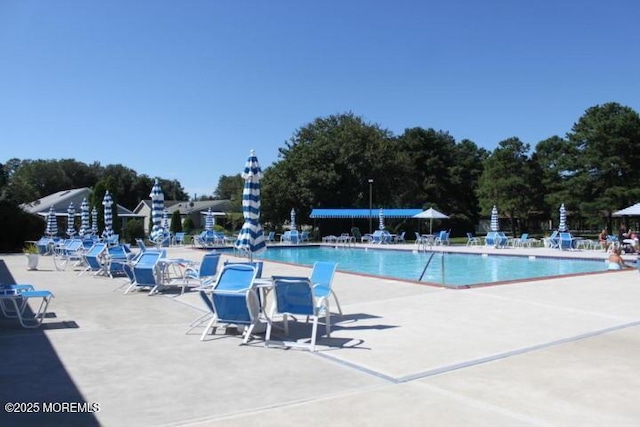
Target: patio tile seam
pixel 515 352
pixel 474 362
pixel 551 306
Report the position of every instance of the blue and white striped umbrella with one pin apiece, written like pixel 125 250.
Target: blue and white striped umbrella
pixel 157 209
pixel 381 219
pixel 84 218
pixel 107 202
pixel 71 214
pixel 94 221
pixel 495 225
pixel 251 237
pixel 165 219
pixel 563 219
pixel 52 223
pixel 293 219
pixel 209 221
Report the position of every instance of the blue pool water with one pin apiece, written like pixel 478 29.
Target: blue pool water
pixel 459 269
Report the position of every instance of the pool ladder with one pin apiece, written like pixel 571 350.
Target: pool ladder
pixel 424 270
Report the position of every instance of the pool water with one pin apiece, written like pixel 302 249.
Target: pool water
pixel 450 269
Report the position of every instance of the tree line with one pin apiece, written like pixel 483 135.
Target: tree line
pixel 327 163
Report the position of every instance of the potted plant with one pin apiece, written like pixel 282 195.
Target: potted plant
pixel 33 254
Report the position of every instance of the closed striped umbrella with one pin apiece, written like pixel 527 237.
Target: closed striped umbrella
pixel 52 223
pixel 94 221
pixel 84 218
pixel 251 237
pixel 293 219
pixel 563 219
pixel 209 221
pixel 71 213
pixel 157 209
pixel 495 225
pixel 381 219
pixel 107 202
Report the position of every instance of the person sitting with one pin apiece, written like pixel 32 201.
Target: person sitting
pixel 602 238
pixel 615 261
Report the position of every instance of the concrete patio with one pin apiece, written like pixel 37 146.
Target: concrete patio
pixel 554 352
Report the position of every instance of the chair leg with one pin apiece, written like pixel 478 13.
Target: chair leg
pixel 337 302
pixel 328 324
pixel 210 325
pixel 314 333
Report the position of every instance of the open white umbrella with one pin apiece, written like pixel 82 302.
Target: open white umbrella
pixel 107 202
pixel 251 237
pixel 563 219
pixel 431 214
pixel 633 210
pixel 71 213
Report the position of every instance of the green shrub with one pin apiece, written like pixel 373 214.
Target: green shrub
pixel 135 230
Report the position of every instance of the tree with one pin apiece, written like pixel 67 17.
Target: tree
pixel 176 222
pixel 230 188
pixel 506 179
pixel 605 174
pixel 327 164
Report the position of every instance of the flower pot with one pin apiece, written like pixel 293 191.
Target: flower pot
pixel 32 261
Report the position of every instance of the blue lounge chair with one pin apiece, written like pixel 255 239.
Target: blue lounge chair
pixel 322 280
pixel 566 241
pixel 552 241
pixel 145 271
pixel 68 252
pixel 295 296
pixel 472 240
pixel 442 238
pixel 178 238
pixel 14 298
pixel 234 299
pixel 95 259
pixel 271 237
pixel 199 275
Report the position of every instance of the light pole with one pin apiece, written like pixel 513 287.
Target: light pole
pixel 370 204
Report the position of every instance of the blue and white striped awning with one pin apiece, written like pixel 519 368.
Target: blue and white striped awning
pixel 363 213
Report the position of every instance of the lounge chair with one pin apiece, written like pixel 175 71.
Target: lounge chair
pixel 178 238
pixel 322 280
pixel 95 259
pixel 304 237
pixel 199 275
pixel 400 238
pixel 234 300
pixel 472 240
pixel 271 237
pixel 552 241
pixel 68 252
pixel 295 296
pixel 14 299
pixel 566 241
pixel 442 238
pixel 496 239
pixel 145 271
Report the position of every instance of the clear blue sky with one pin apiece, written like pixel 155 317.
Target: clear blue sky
pixel 184 89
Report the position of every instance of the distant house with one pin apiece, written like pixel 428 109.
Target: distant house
pixel 62 199
pixel 187 209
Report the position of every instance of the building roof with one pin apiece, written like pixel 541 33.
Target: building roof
pixel 363 213
pixel 188 207
pixel 61 200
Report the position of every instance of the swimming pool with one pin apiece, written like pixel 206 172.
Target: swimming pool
pixel 450 269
